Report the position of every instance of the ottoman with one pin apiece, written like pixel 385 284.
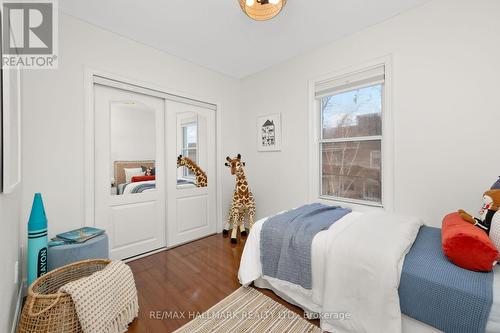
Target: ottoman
pixel 95 248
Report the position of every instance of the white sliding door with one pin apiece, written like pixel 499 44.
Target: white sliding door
pixel 191 209
pixel 129 169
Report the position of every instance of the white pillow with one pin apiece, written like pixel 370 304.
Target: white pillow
pixel 131 172
pixel 495 230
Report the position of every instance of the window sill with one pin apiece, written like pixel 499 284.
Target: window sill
pixel 355 205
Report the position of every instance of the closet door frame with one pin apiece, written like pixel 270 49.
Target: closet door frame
pixel 91 76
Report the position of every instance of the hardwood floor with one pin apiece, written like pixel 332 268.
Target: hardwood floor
pixel 176 284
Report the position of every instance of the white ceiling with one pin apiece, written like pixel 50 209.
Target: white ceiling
pixel 217 35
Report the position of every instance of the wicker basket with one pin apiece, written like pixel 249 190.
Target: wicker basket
pixel 46 309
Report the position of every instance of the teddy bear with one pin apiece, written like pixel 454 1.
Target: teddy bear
pixel 491 204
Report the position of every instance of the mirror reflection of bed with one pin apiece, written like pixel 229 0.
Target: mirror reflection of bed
pixel 134 177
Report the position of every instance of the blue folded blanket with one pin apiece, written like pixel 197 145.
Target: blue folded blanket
pixel 286 241
pixel 441 294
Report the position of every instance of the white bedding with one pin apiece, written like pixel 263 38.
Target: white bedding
pixel 312 301
pixel 131 186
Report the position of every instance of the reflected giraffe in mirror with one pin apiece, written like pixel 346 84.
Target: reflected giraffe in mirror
pixel 201 176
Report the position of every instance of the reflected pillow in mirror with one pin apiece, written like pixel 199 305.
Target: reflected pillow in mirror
pixel 130 172
pixel 146 178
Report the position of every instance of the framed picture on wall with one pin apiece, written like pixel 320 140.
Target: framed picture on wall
pixel 269 132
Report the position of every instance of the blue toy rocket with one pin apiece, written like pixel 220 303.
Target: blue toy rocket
pixel 37 240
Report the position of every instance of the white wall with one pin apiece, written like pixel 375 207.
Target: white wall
pixel 446 109
pixel 10 247
pixel 54 112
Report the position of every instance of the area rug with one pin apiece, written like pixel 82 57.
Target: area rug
pixel 248 310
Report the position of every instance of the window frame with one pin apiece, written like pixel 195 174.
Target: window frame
pixel 386 152
pixel 367 138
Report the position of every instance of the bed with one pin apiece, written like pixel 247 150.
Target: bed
pixel 128 187
pixel 251 271
pixel 183 183
pixel 140 184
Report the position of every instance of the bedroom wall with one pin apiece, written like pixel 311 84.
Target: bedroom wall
pixel 10 244
pixel 54 129
pixel 445 104
pixel 133 135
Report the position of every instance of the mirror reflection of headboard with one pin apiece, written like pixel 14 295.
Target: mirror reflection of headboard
pixel 119 167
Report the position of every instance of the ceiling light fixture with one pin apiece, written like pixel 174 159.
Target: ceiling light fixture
pixel 262 10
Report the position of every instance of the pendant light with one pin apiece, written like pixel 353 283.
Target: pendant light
pixel 262 10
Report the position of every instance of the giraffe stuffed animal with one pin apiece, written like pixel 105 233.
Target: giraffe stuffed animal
pixel 243 201
pixel 201 176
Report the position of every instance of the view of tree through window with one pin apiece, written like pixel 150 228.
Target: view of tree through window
pixel 351 140
pixel 189 145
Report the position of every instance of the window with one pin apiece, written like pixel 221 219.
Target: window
pixel 189 145
pixel 350 142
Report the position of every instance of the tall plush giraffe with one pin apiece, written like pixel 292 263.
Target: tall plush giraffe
pixel 243 201
pixel 201 176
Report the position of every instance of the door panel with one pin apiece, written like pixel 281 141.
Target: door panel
pixel 191 209
pixel 126 230
pixel 129 141
pixel 192 213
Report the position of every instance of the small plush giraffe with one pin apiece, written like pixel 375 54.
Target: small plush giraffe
pixel 243 201
pixel 201 176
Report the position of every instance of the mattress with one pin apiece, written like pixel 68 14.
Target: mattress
pixel 303 298
pixel 434 290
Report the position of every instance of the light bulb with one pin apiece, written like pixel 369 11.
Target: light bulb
pixel 250 3
pixel 274 2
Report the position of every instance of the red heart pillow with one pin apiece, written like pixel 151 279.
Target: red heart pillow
pixel 466 245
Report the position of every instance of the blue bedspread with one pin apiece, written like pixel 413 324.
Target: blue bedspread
pixel 441 294
pixel 286 241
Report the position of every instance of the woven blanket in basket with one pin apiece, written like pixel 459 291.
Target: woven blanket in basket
pixel 106 301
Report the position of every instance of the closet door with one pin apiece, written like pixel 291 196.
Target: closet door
pixel 129 170
pixel 191 202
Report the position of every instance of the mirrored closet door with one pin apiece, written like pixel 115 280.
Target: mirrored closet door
pixel 192 198
pixel 154 168
pixel 128 172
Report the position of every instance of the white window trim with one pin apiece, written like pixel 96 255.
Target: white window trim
pixel 387 154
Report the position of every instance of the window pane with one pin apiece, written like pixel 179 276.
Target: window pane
pixel 191 153
pixel 352 170
pixel 353 113
pixel 189 143
pixel 191 135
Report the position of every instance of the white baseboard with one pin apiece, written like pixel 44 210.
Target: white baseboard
pixel 19 304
